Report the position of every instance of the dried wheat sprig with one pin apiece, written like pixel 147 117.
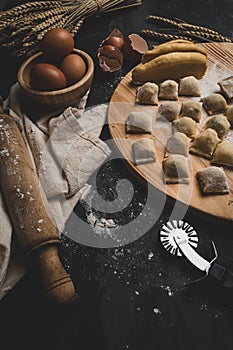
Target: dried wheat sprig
pixel 181 25
pixel 23 9
pixel 14 35
pixel 167 37
pixel 70 29
pixel 27 17
pixel 19 48
pixel 121 4
pixel 83 10
pixel 44 27
pixel 184 25
pixel 89 7
pixel 204 36
pixel 163 20
pixel 77 26
pixel 48 22
pixel 32 18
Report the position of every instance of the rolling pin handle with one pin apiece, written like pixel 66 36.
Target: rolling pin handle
pixel 57 286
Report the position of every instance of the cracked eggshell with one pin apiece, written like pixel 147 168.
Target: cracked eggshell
pixel 110 58
pixel 115 38
pixel 134 47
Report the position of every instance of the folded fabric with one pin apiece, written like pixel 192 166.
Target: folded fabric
pixel 66 150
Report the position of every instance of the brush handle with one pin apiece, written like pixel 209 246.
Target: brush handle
pixel 35 230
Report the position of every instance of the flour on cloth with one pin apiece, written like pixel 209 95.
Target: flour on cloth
pixel 66 150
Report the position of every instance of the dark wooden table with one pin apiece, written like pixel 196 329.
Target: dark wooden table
pixel 136 296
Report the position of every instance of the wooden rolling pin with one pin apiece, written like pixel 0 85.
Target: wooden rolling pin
pixel 36 232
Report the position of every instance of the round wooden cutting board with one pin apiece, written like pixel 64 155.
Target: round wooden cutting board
pixel 220 65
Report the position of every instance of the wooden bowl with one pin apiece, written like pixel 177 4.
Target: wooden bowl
pixel 69 96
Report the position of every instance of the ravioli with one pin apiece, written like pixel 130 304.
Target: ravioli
pixel 219 123
pixel 169 110
pixel 214 103
pixel 189 86
pixel 176 169
pixel 139 122
pixel 185 125
pixel 168 90
pixel 192 109
pixel 147 94
pixel 178 143
pixel 144 151
pixel 223 154
pixel 205 143
pixel 226 86
pixel 213 180
pixel 229 114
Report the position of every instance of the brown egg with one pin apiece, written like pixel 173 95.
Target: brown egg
pixel 74 68
pixel 56 44
pixel 47 77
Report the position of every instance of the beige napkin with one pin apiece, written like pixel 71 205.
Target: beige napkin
pixel 66 151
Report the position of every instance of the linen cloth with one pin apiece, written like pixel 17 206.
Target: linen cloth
pixel 66 150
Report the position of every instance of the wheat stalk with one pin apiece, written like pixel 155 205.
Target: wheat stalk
pixel 181 25
pixel 74 29
pixel 35 19
pixel 204 35
pixel 30 7
pixel 163 36
pixel 189 30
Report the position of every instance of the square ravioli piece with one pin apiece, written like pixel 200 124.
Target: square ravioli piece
pixel 214 103
pixel 189 86
pixel 226 86
pixel 185 125
pixel 223 154
pixel 168 90
pixel 176 169
pixel 229 114
pixel 205 143
pixel 213 180
pixel 178 143
pixel 147 94
pixel 191 109
pixel 169 110
pixel 138 123
pixel 219 123
pixel 144 151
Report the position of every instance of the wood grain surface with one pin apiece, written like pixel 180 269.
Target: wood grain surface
pixel 220 65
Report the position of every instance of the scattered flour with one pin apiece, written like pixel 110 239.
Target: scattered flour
pixel 150 255
pixel 156 311
pixel 101 226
